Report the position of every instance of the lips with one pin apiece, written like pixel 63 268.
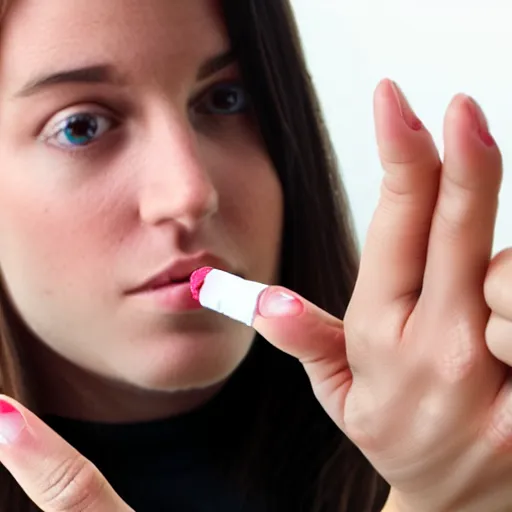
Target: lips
pixel 176 273
pixel 165 279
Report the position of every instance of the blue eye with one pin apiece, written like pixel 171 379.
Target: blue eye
pixel 224 99
pixel 80 129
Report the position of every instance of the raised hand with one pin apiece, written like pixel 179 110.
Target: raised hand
pixel 409 377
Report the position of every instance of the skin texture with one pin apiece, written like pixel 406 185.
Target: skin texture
pixel 160 180
pixel 416 374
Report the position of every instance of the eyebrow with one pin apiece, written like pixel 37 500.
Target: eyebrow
pixel 107 74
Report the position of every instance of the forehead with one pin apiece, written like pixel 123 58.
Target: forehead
pixel 139 36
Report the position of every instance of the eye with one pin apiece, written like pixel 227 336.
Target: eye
pixel 79 130
pixel 224 99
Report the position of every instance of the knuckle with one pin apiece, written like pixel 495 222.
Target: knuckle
pixel 462 201
pixel 459 180
pixel 497 293
pixel 493 289
pixel 462 353
pixel 405 179
pixel 360 413
pixel 381 332
pixel 500 430
pixel 359 339
pixel 498 338
pixel 73 486
pixel 418 154
pixel 457 212
pixel 358 344
pixel 356 328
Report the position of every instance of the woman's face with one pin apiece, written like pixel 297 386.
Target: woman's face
pixel 144 158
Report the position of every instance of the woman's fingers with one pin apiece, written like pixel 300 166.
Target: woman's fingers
pixel 462 230
pixel 498 336
pixel 432 232
pixel 498 295
pixel 52 473
pixel 393 260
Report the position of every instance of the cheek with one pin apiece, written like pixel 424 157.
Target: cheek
pixel 46 235
pixel 252 204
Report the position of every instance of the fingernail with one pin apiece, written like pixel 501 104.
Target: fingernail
pixel 406 110
pixel 12 423
pixel 480 122
pixel 276 303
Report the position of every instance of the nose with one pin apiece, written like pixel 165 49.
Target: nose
pixel 175 183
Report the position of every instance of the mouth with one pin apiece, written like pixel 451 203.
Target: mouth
pixel 160 282
pixel 168 291
pixel 178 274
pixel 164 283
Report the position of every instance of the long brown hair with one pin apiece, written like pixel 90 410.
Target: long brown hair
pixel 287 448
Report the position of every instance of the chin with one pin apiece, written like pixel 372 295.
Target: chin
pixel 183 365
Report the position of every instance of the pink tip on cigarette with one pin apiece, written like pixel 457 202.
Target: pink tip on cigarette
pixel 197 280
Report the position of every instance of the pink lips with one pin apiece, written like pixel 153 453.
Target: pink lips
pixel 197 280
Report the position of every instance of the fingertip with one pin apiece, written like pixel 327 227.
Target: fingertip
pixel 464 110
pixel 472 159
pixel 276 302
pixel 384 84
pixel 12 421
pixel 382 91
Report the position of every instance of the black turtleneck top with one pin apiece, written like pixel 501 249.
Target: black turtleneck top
pixel 163 465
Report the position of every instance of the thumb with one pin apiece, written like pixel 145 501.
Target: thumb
pixel 316 338
pixel 52 473
pixel 298 327
pixel 290 323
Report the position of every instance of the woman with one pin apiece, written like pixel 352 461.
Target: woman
pixel 141 141
pixel 271 395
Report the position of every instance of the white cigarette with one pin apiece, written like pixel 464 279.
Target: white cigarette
pixel 231 295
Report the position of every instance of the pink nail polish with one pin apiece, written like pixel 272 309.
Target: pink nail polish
pixel 406 110
pixel 12 423
pixel 277 303
pixel 480 122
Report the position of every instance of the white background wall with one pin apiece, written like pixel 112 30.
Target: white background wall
pixel 434 50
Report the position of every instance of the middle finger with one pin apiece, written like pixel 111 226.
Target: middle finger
pixel 462 230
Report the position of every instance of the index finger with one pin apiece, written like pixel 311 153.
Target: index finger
pixel 399 231
pixel 53 474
